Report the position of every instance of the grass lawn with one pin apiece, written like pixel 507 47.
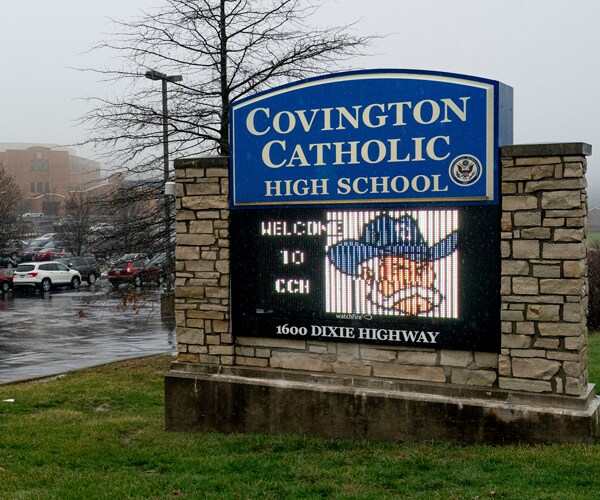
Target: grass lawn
pixel 594 237
pixel 98 433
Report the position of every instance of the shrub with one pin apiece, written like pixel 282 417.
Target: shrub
pixel 594 287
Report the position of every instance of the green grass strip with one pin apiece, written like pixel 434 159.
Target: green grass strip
pixel 99 433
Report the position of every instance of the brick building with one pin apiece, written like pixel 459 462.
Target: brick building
pixel 46 173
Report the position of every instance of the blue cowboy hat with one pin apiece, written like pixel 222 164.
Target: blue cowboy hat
pixel 387 236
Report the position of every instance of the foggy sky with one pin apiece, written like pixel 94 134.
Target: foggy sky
pixel 547 50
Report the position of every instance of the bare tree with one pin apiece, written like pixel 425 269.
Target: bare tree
pixel 73 233
pixel 225 49
pixel 120 219
pixel 10 195
pixel 136 208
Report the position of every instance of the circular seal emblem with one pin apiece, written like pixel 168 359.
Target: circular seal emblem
pixel 465 170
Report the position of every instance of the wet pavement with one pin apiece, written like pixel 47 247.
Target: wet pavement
pixel 43 334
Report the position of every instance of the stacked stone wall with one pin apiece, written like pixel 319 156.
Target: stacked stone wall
pixel 202 256
pixel 543 290
pixel 544 259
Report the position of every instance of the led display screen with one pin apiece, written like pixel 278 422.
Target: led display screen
pixel 418 276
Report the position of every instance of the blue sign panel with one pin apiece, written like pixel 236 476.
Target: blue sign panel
pixel 380 136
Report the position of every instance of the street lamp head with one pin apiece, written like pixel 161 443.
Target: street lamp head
pixel 157 75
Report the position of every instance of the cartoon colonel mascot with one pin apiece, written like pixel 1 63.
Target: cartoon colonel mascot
pixel 394 260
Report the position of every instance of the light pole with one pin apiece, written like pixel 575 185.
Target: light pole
pixel 157 75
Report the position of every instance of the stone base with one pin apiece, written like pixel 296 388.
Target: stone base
pixel 272 401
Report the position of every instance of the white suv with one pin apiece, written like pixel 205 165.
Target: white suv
pixel 45 275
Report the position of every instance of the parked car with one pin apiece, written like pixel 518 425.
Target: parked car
pixel 12 249
pixel 155 269
pixel 32 215
pixel 28 253
pixel 35 245
pixel 86 265
pixel 52 253
pixel 8 262
pixel 128 269
pixel 6 280
pixel 40 241
pixel 103 227
pixel 45 275
pixel 64 222
pixel 104 248
pixel 25 253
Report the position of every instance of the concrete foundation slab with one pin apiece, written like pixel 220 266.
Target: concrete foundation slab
pixel 235 402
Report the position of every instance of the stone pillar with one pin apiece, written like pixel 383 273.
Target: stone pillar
pixel 202 284
pixel 544 284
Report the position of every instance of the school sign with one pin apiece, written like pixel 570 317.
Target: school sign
pixel 356 265
pixel 365 209
pixel 382 136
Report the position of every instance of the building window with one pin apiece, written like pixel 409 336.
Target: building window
pixel 40 187
pixel 38 165
pixel 32 187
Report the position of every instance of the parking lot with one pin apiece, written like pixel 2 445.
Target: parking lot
pixel 46 333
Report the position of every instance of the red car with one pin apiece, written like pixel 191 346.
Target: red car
pixel 52 253
pixel 6 280
pixel 128 269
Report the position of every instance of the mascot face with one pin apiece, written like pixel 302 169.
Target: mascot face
pixel 398 283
